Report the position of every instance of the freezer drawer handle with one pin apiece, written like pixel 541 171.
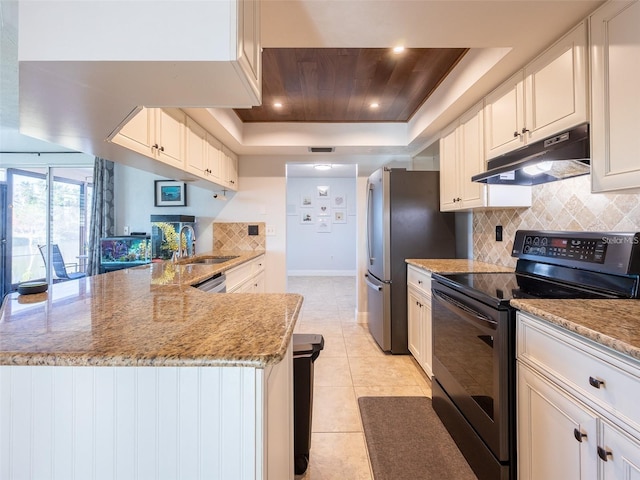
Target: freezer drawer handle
pixel 375 287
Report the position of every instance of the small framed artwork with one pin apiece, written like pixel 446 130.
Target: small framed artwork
pixel 323 225
pixel 306 201
pixel 306 218
pixel 323 207
pixel 323 191
pixel 170 193
pixel 339 216
pixel 339 201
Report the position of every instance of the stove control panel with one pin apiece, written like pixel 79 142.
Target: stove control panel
pixel 585 250
pixel 607 252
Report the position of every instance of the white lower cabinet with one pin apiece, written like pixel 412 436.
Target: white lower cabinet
pixel 419 317
pixel 247 278
pixel 577 406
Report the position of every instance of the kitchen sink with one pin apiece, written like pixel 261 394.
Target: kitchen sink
pixel 211 260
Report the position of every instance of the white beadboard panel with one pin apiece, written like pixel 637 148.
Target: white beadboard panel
pixel 133 423
pixel 125 422
pixel 62 412
pixel 210 436
pixel 105 438
pixel 42 398
pixel 147 423
pixel 189 422
pixel 83 423
pixel 168 427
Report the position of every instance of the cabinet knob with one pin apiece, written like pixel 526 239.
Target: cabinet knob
pixel 579 435
pixel 604 454
pixel 524 130
pixel 162 149
pixel 155 145
pixel 595 383
pixel 515 134
pixel 419 282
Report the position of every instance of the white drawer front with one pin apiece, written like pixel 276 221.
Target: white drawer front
pixel 577 364
pixel 419 279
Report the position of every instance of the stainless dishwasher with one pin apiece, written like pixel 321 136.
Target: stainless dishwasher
pixel 215 284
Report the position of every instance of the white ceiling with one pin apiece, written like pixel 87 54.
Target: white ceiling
pixel 503 35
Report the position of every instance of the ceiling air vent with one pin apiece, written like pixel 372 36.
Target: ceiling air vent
pixel 322 149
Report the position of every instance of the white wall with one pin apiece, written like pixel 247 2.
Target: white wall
pixel 310 252
pixel 135 204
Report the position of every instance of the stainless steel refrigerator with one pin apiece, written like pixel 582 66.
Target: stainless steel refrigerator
pixel 403 221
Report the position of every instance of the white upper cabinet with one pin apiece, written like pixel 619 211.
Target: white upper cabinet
pixel 461 157
pixel 615 123
pixel 547 97
pixel 157 133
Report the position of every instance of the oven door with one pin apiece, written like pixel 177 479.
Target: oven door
pixel 474 363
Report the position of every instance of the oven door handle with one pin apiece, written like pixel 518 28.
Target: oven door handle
pixel 465 311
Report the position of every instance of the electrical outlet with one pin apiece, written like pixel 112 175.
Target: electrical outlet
pixel 253 230
pixel 270 230
pixel 126 230
pixel 498 233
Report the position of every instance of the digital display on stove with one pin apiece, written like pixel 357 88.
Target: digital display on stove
pixel 591 250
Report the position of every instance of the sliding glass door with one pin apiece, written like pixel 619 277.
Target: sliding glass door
pixel 43 205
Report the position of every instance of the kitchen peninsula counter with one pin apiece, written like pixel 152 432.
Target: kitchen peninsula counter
pixel 137 374
pixel 148 315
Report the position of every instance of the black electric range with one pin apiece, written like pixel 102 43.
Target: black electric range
pixel 474 331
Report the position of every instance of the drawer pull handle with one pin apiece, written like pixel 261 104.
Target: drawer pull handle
pixel 604 454
pixel 594 382
pixel 579 435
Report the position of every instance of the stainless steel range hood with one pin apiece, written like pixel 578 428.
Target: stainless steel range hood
pixel 555 158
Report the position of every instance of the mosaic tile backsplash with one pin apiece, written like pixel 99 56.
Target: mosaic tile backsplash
pixel 563 205
pixel 235 236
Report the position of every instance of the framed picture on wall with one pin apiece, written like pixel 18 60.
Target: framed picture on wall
pixel 339 216
pixel 339 201
pixel 322 191
pixel 323 207
pixel 306 201
pixel 323 225
pixel 169 193
pixel 306 218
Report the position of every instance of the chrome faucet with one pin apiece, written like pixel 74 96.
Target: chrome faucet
pixel 182 252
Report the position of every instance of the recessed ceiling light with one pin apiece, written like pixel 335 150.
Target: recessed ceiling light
pixel 277 105
pixel 374 105
pixel 398 49
pixel 322 167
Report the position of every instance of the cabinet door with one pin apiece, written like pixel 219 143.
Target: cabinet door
pixel 504 117
pixel 557 436
pixel 414 314
pixel 214 159
pixel 471 157
pixel 196 158
pixel 556 87
pixel 136 133
pixel 170 136
pixel 449 197
pixel 623 462
pixel 615 118
pixel 231 169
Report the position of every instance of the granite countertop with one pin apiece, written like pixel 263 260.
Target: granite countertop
pixel 148 315
pixel 455 265
pixel 612 323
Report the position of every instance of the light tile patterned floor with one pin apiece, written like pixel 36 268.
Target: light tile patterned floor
pixel 351 365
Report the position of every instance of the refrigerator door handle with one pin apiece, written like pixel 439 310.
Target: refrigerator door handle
pixel 369 202
pixel 372 285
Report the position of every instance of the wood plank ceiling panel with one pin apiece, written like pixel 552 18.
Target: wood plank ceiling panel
pixel 339 84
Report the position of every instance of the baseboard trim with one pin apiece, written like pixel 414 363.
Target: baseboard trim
pixel 321 273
